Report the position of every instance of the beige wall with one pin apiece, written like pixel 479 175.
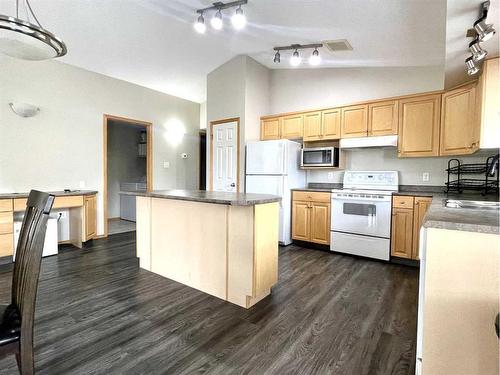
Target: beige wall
pixel 62 145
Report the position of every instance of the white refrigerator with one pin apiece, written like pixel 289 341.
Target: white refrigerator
pixel 272 167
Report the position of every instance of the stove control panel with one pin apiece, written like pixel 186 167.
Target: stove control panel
pixel 380 180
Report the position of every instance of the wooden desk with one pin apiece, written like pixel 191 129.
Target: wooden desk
pixel 82 210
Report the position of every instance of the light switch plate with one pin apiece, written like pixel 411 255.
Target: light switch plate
pixel 166 164
pixel 425 176
pixel 330 176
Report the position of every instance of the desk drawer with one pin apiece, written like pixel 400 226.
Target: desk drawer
pixel 311 196
pixel 5 205
pixel 59 202
pixel 6 244
pixel 402 202
pixel 6 222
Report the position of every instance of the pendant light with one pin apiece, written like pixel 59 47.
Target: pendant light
pixel 216 20
pixel 199 25
pixel 238 19
pixel 295 60
pixel 315 58
pixel 24 40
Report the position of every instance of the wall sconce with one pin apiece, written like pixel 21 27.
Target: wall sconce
pixel 24 109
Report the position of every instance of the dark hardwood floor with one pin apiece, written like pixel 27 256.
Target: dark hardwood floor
pixel 98 313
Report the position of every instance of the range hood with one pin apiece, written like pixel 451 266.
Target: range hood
pixel 363 142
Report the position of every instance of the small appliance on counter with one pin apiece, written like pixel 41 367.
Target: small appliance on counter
pixel 319 157
pixel 361 214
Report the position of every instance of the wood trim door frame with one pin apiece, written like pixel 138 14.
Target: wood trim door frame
pixel 149 158
pixel 211 171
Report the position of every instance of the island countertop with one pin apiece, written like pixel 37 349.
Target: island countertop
pixel 217 197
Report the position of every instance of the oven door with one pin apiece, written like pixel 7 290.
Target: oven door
pixel 317 157
pixel 365 216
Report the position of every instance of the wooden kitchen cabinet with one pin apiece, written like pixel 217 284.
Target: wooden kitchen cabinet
pixel 312 126
pixel 459 125
pixel 90 217
pixel 354 121
pixel 402 232
pixel 292 126
pixel 420 208
pixel 311 217
pixel 270 129
pixel 330 120
pixel 383 118
pixel 487 99
pixel 419 118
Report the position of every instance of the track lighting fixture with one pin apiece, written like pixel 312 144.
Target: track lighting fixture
pixel 199 25
pixel 296 59
pixel 277 57
pixel 477 52
pixel 471 66
pixel 484 31
pixel 238 19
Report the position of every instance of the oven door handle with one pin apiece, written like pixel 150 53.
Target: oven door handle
pixel 361 199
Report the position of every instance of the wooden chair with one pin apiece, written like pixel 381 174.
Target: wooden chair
pixel 16 319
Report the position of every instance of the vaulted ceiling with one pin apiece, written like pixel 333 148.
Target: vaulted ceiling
pixel 152 42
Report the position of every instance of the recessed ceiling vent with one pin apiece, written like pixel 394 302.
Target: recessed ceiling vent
pixel 338 45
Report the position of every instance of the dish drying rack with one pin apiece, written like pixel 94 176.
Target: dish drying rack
pixel 484 183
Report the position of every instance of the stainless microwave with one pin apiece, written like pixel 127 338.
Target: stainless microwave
pixel 320 157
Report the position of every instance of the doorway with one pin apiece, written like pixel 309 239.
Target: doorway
pixel 225 155
pixel 127 166
pixel 202 184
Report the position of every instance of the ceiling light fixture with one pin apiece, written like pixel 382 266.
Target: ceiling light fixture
pixel 216 21
pixel 315 58
pixel 277 57
pixel 199 25
pixel 484 31
pixel 25 40
pixel 471 66
pixel 478 53
pixel 238 19
pixel 295 59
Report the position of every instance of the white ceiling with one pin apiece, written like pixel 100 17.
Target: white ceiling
pixel 152 42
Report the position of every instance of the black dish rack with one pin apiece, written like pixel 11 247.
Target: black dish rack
pixel 485 183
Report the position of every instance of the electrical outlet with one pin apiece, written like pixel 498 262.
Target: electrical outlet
pixel 425 176
pixel 166 164
pixel 330 176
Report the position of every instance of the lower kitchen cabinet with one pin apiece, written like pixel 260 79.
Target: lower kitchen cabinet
pixel 311 217
pixel 90 217
pixel 407 216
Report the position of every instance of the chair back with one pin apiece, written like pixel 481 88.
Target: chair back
pixel 29 256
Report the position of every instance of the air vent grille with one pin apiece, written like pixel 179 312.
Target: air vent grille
pixel 338 45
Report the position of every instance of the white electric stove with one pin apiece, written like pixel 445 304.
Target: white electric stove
pixel 361 214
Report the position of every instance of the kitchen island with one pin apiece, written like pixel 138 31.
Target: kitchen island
pixel 224 244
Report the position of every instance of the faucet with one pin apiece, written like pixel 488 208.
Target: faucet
pixel 493 166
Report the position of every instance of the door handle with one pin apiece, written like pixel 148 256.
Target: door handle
pixel 497 325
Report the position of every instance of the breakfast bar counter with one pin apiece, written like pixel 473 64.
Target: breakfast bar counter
pixel 224 244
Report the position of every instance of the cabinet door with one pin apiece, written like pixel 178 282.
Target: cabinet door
pixel 6 244
pixel 383 118
pixel 419 209
pixel 330 120
pixel 301 221
pixel 354 121
pixel 90 217
pixel 488 97
pixel 292 126
pixel 419 119
pixel 312 126
pixel 401 234
pixel 459 135
pixel 320 223
pixel 270 129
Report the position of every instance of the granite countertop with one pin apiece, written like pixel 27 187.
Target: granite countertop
pixel 217 197
pixel 56 193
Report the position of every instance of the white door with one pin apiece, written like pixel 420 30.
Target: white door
pixel 266 157
pixel 225 156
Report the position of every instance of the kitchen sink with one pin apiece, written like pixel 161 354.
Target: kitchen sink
pixel 453 203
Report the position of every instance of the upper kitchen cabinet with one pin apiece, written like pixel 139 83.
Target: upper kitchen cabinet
pixel 459 130
pixel 354 121
pixel 488 99
pixel 419 119
pixel 292 126
pixel 330 119
pixel 383 118
pixel 270 129
pixel 312 126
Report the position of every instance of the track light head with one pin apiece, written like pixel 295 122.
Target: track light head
pixel 471 66
pixel 484 31
pixel 315 58
pixel 216 20
pixel 238 19
pixel 277 57
pixel 478 53
pixel 199 25
pixel 295 60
